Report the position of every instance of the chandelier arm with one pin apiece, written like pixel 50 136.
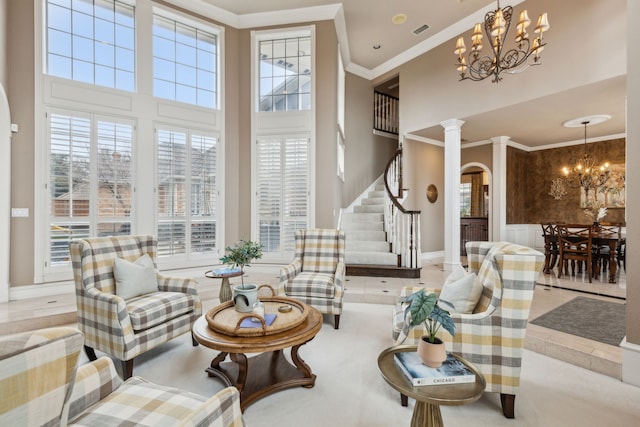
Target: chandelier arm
pixel 514 60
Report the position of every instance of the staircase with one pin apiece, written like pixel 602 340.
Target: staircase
pixel 367 251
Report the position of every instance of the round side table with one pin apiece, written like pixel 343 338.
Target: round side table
pixel 429 397
pixel 225 288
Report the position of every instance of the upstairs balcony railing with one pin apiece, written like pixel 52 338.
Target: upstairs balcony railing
pixel 385 113
pixel 402 225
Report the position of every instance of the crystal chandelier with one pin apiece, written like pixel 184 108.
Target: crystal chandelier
pixel 513 60
pixel 585 172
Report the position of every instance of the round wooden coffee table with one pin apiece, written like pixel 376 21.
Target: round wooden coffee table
pixel 268 372
pixel 429 397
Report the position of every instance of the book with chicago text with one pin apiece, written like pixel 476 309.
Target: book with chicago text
pixel 452 371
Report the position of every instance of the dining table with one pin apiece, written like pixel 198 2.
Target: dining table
pixel 598 238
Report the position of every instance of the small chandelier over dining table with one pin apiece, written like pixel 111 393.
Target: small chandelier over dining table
pixel 513 60
pixel 585 172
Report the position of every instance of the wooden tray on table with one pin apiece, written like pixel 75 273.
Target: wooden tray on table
pixel 226 320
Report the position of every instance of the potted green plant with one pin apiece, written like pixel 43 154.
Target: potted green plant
pixel 422 308
pixel 240 255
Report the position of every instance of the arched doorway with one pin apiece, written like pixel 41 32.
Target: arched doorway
pixel 475 202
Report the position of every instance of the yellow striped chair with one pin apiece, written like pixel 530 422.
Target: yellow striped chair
pixel 125 328
pixel 36 374
pixel 317 271
pixel 492 337
pixel 42 386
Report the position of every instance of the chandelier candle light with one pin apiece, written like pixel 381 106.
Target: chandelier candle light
pixel 513 60
pixel 585 173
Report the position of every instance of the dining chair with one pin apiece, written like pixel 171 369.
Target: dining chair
pixel 602 251
pixel 575 245
pixel 549 233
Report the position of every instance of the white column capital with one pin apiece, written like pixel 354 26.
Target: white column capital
pixel 451 124
pixel 500 140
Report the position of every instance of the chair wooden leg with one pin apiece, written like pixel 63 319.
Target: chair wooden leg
pixel 404 400
pixel 90 352
pixel 127 369
pixel 508 402
pixel 336 321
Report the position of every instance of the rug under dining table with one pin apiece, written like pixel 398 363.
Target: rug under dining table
pixel 594 319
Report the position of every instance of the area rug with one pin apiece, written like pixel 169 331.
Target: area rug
pixel 595 319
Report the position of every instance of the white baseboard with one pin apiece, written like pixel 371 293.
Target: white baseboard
pixel 630 362
pixel 432 255
pixel 43 290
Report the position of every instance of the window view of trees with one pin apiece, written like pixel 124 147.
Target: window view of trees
pixel 91 189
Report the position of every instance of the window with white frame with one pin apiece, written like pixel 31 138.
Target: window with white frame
pixel 186 196
pixel 87 164
pixel 91 41
pixel 90 179
pixel 285 74
pixel 184 63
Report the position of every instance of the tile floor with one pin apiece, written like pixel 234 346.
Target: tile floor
pixel 34 313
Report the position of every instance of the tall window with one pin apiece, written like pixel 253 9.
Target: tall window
pixel 285 74
pixel 282 190
pixel 186 192
pixel 184 63
pixel 90 179
pixel 92 41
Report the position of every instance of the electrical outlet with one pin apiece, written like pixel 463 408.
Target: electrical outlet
pixel 20 212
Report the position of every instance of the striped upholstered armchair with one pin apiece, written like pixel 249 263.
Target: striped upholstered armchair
pixel 492 337
pixel 317 271
pixel 125 327
pixel 41 385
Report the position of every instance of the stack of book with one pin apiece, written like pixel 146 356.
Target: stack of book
pixel 452 371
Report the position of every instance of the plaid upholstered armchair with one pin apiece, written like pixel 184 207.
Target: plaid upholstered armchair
pixel 492 337
pixel 316 274
pixel 126 325
pixel 41 386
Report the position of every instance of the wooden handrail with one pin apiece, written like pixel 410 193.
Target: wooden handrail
pixel 402 225
pixel 397 157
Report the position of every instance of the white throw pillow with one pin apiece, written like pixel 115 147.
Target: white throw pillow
pixel 135 278
pixel 461 295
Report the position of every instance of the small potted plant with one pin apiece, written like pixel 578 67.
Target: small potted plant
pixel 422 308
pixel 241 256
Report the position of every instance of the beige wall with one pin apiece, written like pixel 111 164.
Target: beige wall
pixel 3 43
pixel 633 174
pixel 366 154
pixel 427 168
pixel 20 91
pixel 429 87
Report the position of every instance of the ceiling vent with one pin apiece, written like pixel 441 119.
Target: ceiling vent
pixel 420 29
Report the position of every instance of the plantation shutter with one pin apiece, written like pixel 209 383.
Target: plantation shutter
pixel 171 192
pixel 204 193
pixel 69 183
pixel 282 178
pixel 115 178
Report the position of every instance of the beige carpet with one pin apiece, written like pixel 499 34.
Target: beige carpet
pixel 349 390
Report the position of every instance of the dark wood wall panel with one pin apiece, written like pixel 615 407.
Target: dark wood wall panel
pixel 529 177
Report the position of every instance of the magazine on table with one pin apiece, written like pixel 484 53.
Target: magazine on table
pixel 452 371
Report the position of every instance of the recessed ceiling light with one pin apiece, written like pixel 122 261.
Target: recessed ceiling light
pixel 400 18
pixel 593 120
pixel 377 46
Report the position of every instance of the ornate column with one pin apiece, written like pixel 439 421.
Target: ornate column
pixel 452 132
